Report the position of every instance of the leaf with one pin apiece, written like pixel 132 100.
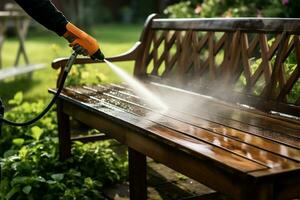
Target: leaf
pixel 89 182
pixel 27 189
pixel 51 182
pixel 36 132
pixel 9 153
pixel 20 180
pixel 23 152
pixel 17 100
pixel 101 77
pixel 180 176
pixel 57 177
pixel 40 179
pixel 18 141
pixel 11 193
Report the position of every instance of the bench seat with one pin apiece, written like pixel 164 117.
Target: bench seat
pixel 230 138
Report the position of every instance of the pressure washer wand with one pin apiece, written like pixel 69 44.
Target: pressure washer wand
pixel 60 87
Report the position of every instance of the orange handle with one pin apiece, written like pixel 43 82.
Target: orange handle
pixel 78 37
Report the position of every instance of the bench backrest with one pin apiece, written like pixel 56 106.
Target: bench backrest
pixel 253 61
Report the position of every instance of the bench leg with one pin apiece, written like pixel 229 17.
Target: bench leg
pixel 137 175
pixel 64 134
pixel 258 192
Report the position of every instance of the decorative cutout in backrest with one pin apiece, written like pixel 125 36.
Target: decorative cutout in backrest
pixel 261 61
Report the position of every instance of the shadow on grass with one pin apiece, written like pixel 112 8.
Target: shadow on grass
pixel 9 87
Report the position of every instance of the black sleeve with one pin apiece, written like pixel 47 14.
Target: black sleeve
pixel 44 12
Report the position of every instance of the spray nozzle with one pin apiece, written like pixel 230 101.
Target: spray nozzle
pixel 98 55
pixel 82 42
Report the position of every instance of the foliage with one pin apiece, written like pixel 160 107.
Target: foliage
pixel 234 8
pixel 11 138
pixel 97 11
pixel 30 168
pixel 180 10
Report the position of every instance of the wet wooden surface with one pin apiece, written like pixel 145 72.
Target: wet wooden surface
pixel 240 139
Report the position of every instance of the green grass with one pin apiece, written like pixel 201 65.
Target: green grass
pixel 43 46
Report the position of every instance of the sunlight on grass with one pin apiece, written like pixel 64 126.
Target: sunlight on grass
pixel 43 46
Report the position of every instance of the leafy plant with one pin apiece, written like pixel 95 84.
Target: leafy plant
pixel 84 74
pixel 234 8
pixel 30 168
pixel 180 10
pixel 14 137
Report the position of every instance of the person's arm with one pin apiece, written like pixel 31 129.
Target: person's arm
pixel 44 12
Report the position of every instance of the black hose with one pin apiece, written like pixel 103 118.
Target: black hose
pixel 38 117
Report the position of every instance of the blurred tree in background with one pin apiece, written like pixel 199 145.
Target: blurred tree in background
pixel 90 12
pixel 234 8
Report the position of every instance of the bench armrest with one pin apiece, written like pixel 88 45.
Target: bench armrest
pixel 127 56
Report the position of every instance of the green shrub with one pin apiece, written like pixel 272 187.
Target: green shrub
pixel 180 10
pixel 234 8
pixel 30 168
pixel 13 138
pixel 36 173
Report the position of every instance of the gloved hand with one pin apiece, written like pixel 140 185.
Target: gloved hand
pixel 83 43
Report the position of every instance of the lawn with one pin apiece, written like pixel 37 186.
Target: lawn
pixel 43 46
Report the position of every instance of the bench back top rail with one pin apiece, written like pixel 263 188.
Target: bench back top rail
pixel 253 61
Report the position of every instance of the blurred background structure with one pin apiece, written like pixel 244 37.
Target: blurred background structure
pixel 86 12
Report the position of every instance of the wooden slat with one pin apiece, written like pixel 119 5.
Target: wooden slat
pixel 90 138
pixel 211 58
pixel 274 46
pixel 264 56
pixel 254 42
pixel 12 15
pixel 156 44
pixel 276 77
pixel 230 24
pixel 16 71
pixel 246 63
pixel 295 74
pixel 164 54
pixel 236 70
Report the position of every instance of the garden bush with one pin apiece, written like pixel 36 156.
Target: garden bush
pixel 234 8
pixel 30 168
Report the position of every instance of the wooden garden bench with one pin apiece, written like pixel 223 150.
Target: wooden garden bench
pixel 233 91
